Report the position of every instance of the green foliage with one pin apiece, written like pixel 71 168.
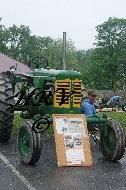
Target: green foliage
pixel 54 54
pixel 3 38
pixel 18 43
pixel 22 46
pixel 118 116
pixel 105 67
pixel 84 57
pixel 17 122
pixel 100 67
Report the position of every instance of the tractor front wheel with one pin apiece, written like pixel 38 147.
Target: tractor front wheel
pixel 29 143
pixel 113 146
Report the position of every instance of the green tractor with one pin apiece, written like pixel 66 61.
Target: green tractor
pixel 53 92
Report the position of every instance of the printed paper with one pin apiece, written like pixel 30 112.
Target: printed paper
pixel 76 125
pixel 61 125
pixel 75 156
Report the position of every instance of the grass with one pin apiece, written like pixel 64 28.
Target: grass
pixel 119 116
pixel 18 121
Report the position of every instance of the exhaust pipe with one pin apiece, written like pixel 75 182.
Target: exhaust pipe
pixel 64 50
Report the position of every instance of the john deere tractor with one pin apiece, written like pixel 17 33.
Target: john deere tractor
pixel 53 92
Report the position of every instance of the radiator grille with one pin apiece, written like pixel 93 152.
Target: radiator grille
pixel 66 84
pixel 69 86
pixel 78 94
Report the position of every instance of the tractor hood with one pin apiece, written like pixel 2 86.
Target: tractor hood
pixel 59 74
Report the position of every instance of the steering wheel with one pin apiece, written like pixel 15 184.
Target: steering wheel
pixel 38 61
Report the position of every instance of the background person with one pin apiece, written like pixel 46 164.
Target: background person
pixel 88 108
pixel 116 98
pixel 114 102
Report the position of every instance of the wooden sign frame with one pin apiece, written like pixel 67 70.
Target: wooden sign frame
pixel 72 146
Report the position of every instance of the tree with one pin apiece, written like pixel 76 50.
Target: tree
pixel 84 57
pixel 3 38
pixel 36 47
pixel 18 42
pixel 54 53
pixel 110 47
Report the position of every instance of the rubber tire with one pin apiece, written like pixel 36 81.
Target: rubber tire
pixel 119 148
pixel 125 140
pixel 35 142
pixel 124 107
pixel 121 141
pixel 6 112
pixel 122 136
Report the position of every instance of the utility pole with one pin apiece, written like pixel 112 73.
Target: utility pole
pixel 64 50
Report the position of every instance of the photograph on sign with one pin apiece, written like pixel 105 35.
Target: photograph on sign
pixel 61 125
pixel 73 140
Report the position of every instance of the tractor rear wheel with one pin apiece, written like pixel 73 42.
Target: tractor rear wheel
pixel 29 143
pixel 6 111
pixel 124 107
pixel 113 146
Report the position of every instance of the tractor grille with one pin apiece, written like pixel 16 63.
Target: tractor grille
pixel 66 84
pixel 69 86
pixel 77 95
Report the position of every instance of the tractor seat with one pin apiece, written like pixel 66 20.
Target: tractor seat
pixel 28 74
